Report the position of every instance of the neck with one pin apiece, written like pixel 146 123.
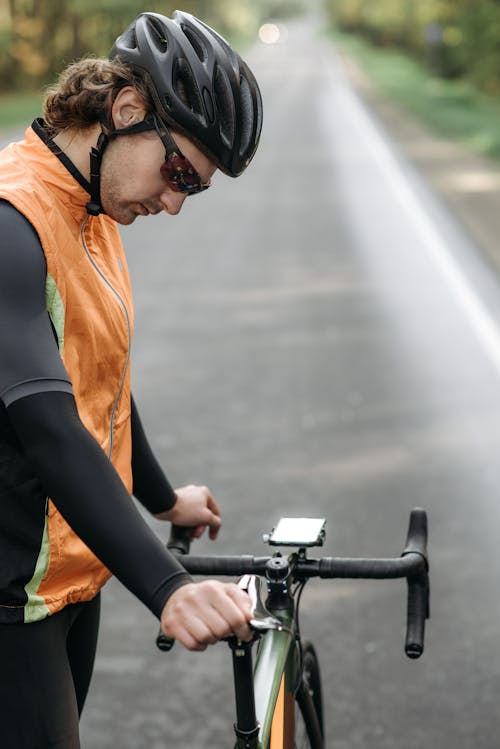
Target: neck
pixel 76 144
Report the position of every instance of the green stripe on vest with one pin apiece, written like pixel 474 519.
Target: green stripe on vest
pixel 35 608
pixel 55 308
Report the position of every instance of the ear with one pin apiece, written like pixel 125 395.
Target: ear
pixel 128 108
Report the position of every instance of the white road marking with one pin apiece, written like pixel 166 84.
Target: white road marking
pixel 477 315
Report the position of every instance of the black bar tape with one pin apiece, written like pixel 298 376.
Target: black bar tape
pixel 416 540
pixel 368 569
pixel 230 566
pixel 418 597
pixel 418 584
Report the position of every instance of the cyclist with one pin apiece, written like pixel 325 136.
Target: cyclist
pixel 172 104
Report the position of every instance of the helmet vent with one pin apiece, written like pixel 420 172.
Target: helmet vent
pixel 225 106
pixel 157 34
pixel 220 41
pixel 129 38
pixel 209 106
pixel 186 88
pixel 196 43
pixel 246 119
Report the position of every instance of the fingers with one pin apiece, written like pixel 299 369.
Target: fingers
pixel 199 614
pixel 197 531
pixel 215 524
pixel 244 605
pixel 210 514
pixel 195 507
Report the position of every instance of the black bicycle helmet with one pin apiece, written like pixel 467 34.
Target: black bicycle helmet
pixel 199 84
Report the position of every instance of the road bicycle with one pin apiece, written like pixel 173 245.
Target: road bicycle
pixel 279 698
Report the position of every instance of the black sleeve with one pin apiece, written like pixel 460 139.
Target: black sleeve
pixel 29 357
pixel 151 486
pixel 86 489
pixel 73 469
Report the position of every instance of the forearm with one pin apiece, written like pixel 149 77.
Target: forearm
pixel 150 485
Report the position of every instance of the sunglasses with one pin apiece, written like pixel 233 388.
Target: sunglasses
pixel 176 170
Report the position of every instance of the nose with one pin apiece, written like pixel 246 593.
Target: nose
pixel 172 201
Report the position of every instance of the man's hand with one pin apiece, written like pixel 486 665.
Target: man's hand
pixel 199 614
pixel 195 508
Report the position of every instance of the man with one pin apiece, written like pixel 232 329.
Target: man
pixel 172 104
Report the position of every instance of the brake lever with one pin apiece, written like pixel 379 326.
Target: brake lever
pixel 262 619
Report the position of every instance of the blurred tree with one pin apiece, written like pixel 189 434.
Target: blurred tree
pixel 456 38
pixel 39 37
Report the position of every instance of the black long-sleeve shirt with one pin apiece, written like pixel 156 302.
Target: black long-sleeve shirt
pixel 72 468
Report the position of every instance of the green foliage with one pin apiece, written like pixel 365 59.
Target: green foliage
pixel 39 37
pixel 16 108
pixel 453 108
pixel 455 38
pixel 283 8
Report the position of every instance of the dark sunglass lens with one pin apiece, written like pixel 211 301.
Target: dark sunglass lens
pixel 180 175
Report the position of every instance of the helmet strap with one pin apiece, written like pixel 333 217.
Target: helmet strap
pixel 94 207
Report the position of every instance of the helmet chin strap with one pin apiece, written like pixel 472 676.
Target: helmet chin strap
pixel 94 207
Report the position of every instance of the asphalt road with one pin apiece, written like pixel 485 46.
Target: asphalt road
pixel 321 337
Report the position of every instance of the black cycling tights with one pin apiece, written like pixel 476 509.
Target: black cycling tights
pixel 45 671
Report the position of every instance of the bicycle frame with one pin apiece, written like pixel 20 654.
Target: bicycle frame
pixel 266 696
pixel 275 678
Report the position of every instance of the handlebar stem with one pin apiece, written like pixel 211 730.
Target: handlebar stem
pixel 278 583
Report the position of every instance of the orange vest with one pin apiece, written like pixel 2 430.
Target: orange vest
pixel 89 302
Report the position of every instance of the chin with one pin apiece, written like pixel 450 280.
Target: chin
pixel 127 221
pixel 124 218
pixel 122 213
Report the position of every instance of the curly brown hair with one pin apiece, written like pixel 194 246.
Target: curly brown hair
pixel 85 91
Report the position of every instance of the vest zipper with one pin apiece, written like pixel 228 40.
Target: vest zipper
pixel 127 318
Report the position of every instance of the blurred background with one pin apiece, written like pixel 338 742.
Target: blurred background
pixel 321 337
pixel 456 38
pixel 440 58
pixel 38 37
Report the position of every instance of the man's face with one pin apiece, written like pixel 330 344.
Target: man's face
pixel 131 182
